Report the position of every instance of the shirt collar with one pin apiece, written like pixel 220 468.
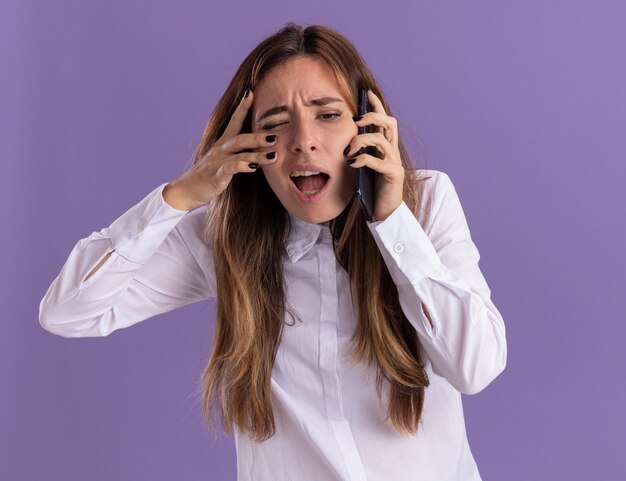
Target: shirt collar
pixel 302 236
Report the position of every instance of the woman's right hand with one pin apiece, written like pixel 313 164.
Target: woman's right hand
pixel 211 175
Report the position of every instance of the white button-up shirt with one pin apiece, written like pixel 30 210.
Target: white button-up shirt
pixel 329 423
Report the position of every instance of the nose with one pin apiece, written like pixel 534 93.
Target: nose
pixel 304 139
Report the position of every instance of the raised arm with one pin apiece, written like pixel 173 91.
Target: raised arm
pixel 138 267
pixel 438 273
pixel 141 265
pixel 171 198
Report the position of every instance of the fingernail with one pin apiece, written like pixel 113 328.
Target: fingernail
pixel 346 150
pixel 270 138
pixel 247 92
pixel 270 155
pixel 253 165
pixel 356 118
pixel 350 161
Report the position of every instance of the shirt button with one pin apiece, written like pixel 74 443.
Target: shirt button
pixel 142 223
pixel 398 247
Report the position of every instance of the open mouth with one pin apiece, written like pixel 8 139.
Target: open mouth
pixel 309 182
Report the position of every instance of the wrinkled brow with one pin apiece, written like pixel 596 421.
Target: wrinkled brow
pixel 283 108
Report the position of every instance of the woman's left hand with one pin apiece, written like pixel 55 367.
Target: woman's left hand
pixel 388 189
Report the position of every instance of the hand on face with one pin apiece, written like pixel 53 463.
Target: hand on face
pixel 389 184
pixel 301 103
pixel 231 154
pixel 312 133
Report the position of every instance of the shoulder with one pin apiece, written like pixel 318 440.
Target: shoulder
pixel 432 187
pixel 433 180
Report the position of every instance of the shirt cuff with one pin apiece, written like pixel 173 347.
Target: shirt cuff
pixel 139 232
pixel 405 247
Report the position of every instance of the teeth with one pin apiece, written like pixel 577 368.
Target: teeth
pixel 311 192
pixel 303 173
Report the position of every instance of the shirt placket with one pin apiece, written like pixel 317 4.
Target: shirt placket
pixel 329 360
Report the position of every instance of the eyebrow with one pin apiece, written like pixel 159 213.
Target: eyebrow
pixel 284 108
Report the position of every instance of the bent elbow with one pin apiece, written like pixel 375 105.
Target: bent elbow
pixel 64 326
pixel 51 326
pixel 49 323
pixel 47 318
pixel 54 329
pixel 486 363
pixel 477 380
pixel 69 330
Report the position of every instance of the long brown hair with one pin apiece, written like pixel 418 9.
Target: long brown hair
pixel 246 226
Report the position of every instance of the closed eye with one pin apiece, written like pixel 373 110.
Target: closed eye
pixel 329 116
pixel 271 126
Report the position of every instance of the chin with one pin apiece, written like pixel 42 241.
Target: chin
pixel 313 218
pixel 319 215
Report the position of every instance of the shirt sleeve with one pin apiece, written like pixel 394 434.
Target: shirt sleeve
pixel 466 342
pixel 151 271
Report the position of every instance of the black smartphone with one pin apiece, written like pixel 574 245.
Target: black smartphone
pixel 365 175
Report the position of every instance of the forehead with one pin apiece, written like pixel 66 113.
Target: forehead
pixel 308 77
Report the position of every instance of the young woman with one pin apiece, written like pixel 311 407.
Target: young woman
pixel 342 346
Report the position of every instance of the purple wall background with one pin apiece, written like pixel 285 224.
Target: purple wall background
pixel 523 105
